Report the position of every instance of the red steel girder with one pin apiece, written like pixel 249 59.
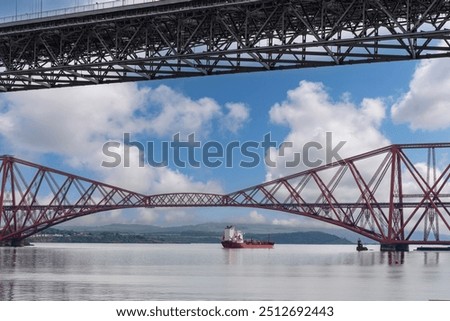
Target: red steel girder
pixel 382 194
pixel 34 197
pixel 378 194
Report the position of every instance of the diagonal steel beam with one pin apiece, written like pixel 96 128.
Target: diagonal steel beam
pixel 316 35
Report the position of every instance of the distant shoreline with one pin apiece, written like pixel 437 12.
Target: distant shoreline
pixel 196 234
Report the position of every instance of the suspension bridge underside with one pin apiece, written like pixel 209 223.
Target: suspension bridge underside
pixel 183 38
pixel 388 195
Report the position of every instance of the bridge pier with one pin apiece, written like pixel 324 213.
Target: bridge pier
pixel 15 243
pixel 394 247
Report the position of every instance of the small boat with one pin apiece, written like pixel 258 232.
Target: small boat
pixel 360 247
pixel 234 239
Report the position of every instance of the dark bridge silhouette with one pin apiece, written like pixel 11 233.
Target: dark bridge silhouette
pixel 185 38
pixel 382 195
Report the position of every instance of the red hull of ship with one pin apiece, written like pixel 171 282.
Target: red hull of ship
pixel 247 245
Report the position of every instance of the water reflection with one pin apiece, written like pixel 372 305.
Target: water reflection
pixel 230 256
pixel 314 256
pixel 19 268
pixel 430 258
pixel 395 258
pixel 197 272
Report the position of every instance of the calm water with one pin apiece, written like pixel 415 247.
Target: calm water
pixel 208 272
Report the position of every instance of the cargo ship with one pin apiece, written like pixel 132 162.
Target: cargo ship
pixel 234 239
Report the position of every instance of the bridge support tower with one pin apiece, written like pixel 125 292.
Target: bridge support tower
pixel 394 247
pixel 14 243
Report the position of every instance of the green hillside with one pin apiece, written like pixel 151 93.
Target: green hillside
pixel 202 233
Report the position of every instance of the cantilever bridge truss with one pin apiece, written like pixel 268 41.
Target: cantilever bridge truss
pixel 183 38
pixel 397 195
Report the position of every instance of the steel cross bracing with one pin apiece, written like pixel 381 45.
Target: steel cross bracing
pixel 182 38
pixel 389 195
pixel 382 195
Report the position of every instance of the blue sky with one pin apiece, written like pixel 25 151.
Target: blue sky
pixel 368 106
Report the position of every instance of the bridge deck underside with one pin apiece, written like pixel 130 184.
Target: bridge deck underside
pixel 174 39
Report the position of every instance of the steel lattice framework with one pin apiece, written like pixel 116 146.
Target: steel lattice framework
pixel 183 38
pixel 382 195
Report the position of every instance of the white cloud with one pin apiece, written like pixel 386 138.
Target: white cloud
pixel 237 115
pixel 425 106
pixel 178 113
pixel 309 113
pixel 70 121
pixel 150 180
pixel 139 216
pixel 257 218
pixel 291 222
pixel 74 123
pixel 177 216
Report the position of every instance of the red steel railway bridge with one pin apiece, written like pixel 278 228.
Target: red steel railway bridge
pixel 130 40
pixel 397 195
pixel 385 195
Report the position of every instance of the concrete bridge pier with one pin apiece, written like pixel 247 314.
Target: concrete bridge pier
pixel 15 243
pixel 394 247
